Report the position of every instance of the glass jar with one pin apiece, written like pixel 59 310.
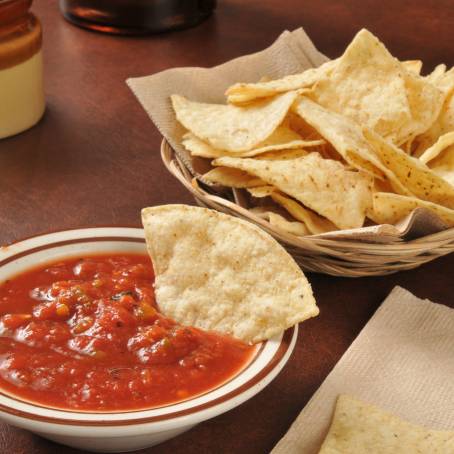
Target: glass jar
pixel 21 72
pixel 136 16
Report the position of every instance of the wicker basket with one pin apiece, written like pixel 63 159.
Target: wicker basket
pixel 338 257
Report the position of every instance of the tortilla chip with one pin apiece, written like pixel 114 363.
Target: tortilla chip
pixel 445 121
pixel 217 272
pixel 262 191
pixel 413 66
pixel 323 185
pixel 244 93
pixel 283 154
pixel 438 72
pixel 367 85
pixel 412 173
pixel 390 208
pixel 233 178
pixel 283 138
pixel 293 227
pixel 360 428
pixel 442 79
pixel 343 134
pixel 268 213
pixel 346 136
pixel 314 223
pixel 425 101
pixel 441 144
pixel 443 163
pixel 233 128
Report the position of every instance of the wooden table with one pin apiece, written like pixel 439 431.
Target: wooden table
pixel 94 160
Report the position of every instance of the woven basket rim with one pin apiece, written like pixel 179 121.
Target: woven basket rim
pixel 334 255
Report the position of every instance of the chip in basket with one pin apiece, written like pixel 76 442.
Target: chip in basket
pixel 362 139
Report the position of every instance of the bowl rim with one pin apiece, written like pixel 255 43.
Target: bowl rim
pixel 281 348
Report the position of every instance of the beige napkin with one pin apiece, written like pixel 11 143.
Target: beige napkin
pixel 402 361
pixel 291 53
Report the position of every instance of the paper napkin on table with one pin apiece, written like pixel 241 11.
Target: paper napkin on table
pixel 402 361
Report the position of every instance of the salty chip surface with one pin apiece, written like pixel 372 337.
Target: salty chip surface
pixel 217 272
pixel 359 428
pixel 233 128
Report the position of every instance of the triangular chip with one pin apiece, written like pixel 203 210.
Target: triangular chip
pixel 283 154
pixel 413 66
pixel 444 81
pixel 368 85
pixel 412 173
pixel 425 101
pixel 293 227
pixel 233 128
pixel 314 223
pixel 323 185
pixel 233 178
pixel 262 191
pixel 443 165
pixel 243 93
pixel 346 136
pixel 440 157
pixel 283 138
pixel 218 272
pixel 390 208
pixel 362 428
pixel 441 144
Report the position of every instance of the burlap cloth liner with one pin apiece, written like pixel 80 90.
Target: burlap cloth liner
pixel 402 361
pixel 291 53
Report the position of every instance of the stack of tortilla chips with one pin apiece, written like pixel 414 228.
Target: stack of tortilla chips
pixel 361 139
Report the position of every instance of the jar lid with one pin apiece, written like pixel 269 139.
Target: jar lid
pixel 20 32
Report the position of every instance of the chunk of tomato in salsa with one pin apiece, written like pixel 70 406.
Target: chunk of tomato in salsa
pixel 86 334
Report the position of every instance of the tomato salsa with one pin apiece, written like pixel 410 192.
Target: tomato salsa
pixel 86 334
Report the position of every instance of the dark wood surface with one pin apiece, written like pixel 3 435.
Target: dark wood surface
pixel 94 160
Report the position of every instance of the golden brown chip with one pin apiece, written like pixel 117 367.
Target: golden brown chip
pixel 390 208
pixel 283 138
pixel 244 93
pixel 261 191
pixel 343 134
pixel 362 428
pixel 232 128
pixel 233 178
pixel 425 101
pixel 283 154
pixel 346 136
pixel 413 66
pixel 412 173
pixel 218 272
pixel 444 81
pixel 367 85
pixel 438 147
pixel 323 185
pixel 315 224
pixel 293 227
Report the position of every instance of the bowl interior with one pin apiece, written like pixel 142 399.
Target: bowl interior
pixel 266 361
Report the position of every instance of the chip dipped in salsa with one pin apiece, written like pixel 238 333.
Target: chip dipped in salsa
pixel 86 334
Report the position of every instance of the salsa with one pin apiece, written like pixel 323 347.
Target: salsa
pixel 86 334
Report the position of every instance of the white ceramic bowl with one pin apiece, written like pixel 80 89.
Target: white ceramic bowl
pixel 128 430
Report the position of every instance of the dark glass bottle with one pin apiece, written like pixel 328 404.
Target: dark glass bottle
pixel 136 16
